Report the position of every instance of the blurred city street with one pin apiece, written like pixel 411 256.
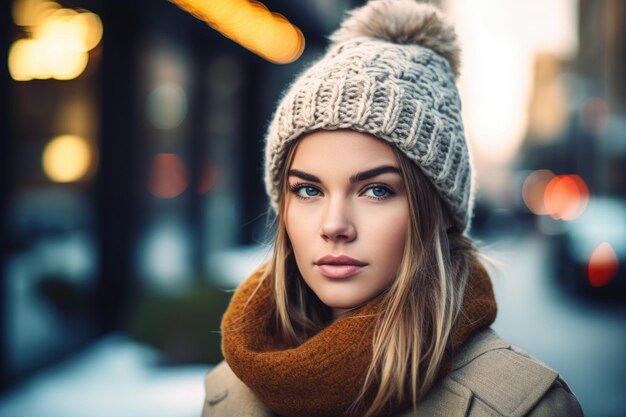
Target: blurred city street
pixel 584 342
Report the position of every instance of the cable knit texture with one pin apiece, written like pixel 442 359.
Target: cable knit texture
pixel 390 72
pixel 323 375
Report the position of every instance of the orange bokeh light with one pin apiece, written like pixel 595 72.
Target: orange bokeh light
pixel 566 197
pixel 168 176
pixel 603 265
pixel 252 25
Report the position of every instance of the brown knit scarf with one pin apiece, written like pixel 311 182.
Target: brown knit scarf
pixel 323 375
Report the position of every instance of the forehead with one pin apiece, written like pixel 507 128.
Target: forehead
pixel 341 148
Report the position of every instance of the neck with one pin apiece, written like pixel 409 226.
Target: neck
pixel 338 312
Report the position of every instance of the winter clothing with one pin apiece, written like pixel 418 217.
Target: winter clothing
pixel 490 377
pixel 390 72
pixel 322 376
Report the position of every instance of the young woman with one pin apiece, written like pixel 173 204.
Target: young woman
pixel 374 302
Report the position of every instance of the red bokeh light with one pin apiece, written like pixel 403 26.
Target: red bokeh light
pixel 566 197
pixel 603 265
pixel 168 176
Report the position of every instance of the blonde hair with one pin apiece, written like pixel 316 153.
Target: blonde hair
pixel 422 304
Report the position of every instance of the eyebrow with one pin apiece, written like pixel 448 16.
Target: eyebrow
pixel 360 176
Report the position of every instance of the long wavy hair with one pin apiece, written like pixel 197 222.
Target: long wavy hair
pixel 422 303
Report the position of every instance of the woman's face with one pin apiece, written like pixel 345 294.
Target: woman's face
pixel 346 199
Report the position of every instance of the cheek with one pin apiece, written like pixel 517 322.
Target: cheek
pixel 299 231
pixel 388 236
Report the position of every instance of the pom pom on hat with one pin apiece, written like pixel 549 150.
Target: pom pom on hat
pixel 403 22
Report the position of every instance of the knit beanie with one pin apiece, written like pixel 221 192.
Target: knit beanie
pixel 389 71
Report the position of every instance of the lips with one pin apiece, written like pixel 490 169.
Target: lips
pixel 339 260
pixel 339 266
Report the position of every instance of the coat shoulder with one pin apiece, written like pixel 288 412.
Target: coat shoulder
pixel 506 379
pixel 559 401
pixel 227 395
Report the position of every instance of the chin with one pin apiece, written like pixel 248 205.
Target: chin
pixel 341 302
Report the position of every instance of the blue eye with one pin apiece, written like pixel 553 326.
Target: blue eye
pixel 304 191
pixel 309 191
pixel 379 192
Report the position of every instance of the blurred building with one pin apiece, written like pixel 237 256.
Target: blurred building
pixel 577 116
pixel 127 163
pixel 575 152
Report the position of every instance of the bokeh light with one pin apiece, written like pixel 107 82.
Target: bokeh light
pixel 603 265
pixel 64 59
pixel 169 177
pixel 252 25
pixel 67 158
pixel 24 64
pixel 32 12
pixel 82 29
pixel 92 29
pixel 566 197
pixel 534 188
pixel 166 106
pixel 58 43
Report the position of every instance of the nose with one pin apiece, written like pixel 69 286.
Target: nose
pixel 337 224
